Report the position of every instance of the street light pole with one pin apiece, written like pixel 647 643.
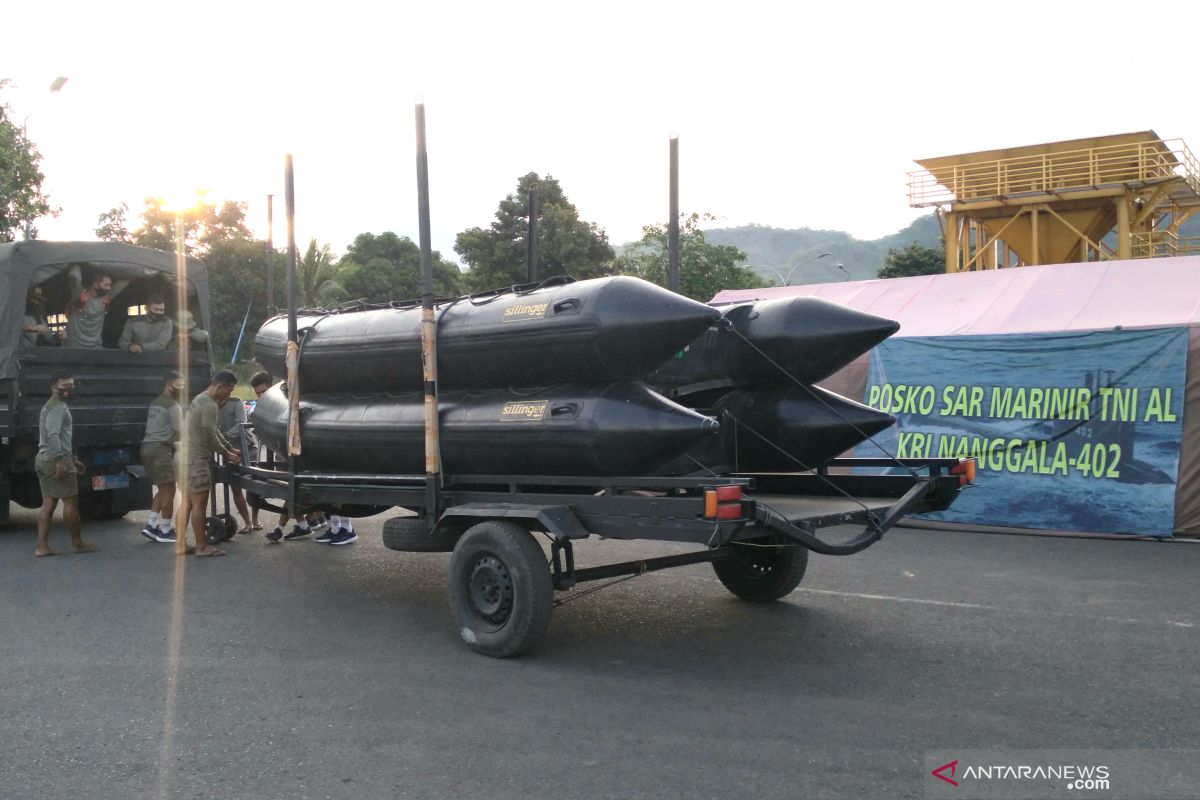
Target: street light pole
pixel 787 281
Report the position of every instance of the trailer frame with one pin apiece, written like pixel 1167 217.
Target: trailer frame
pixel 779 515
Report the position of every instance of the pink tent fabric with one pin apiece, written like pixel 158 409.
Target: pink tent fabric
pixel 1152 293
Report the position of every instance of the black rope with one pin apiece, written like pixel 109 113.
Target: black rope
pixel 822 400
pixel 709 470
pixel 803 466
pixel 519 289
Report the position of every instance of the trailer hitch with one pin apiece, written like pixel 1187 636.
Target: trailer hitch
pixel 871 533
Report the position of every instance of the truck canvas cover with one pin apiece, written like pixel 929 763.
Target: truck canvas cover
pixel 27 264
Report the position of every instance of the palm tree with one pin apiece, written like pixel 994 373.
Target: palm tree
pixel 316 276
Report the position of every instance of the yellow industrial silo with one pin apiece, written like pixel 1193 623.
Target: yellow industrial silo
pixel 1060 202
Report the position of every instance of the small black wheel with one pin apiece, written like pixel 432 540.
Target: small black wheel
pixel 412 535
pixel 221 528
pixel 500 589
pixel 762 571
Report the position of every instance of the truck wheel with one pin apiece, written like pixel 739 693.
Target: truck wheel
pixel 500 589
pixel 411 535
pixel 759 573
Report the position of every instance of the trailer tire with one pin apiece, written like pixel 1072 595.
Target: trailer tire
pixel 412 535
pixel 500 589
pixel 758 573
pixel 221 528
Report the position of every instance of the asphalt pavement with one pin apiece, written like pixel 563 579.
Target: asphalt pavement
pixel 301 670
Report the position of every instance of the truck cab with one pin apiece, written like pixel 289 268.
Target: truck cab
pixel 114 386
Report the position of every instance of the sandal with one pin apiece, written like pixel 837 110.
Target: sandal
pixel 211 552
pixel 245 529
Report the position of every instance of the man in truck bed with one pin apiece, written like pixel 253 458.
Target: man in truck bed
pixel 88 307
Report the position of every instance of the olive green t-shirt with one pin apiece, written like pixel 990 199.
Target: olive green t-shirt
pixel 55 429
pixel 203 436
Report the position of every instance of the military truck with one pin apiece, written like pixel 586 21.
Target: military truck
pixel 114 387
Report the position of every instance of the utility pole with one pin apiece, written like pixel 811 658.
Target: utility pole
pixel 673 225
pixel 270 255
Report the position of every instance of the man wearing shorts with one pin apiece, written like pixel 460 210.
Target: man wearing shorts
pixel 57 467
pixel 202 440
pixel 164 419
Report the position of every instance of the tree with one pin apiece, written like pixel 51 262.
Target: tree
pixel 204 225
pixel 237 279
pixel 384 267
pixel 316 277
pixel 704 269
pixel 498 256
pixel 113 225
pixel 913 260
pixel 236 261
pixel 21 197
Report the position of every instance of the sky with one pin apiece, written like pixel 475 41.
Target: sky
pixel 787 115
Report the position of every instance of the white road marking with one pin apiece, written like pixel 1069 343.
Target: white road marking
pixel 901 599
pixel 980 607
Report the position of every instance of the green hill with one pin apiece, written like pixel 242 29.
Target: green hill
pixel 780 249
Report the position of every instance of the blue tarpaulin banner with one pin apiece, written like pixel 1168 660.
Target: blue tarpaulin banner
pixel 1076 431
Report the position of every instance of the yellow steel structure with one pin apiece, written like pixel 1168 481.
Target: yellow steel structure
pixel 1059 202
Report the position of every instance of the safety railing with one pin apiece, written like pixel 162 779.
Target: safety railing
pixel 1163 244
pixel 1052 173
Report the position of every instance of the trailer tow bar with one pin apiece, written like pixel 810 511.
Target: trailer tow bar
pixel 566 576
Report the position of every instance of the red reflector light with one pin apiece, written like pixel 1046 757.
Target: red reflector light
pixel 729 511
pixel 726 494
pixel 965 470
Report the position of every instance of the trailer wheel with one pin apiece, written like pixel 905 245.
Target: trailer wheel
pixel 412 535
pixel 759 573
pixel 500 589
pixel 221 528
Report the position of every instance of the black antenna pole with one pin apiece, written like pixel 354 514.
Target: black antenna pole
pixel 534 212
pixel 433 461
pixel 673 225
pixel 293 346
pixel 270 255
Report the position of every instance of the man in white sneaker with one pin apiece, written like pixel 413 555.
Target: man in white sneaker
pixel 164 419
pixel 341 531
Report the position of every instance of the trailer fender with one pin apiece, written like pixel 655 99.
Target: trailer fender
pixel 558 521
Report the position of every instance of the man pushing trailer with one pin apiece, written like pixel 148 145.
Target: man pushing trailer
pixel 202 440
